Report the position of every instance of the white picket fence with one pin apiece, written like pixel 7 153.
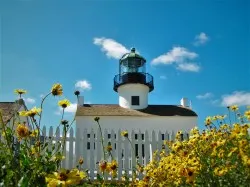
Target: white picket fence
pixel 87 144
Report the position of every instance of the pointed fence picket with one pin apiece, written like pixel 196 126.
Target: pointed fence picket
pixel 87 144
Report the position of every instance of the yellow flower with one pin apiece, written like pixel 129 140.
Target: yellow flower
pixel 31 113
pixel 246 160
pixel 81 161
pixel 221 154
pixel 194 131
pixel 176 146
pixel 248 118
pixel 103 165
pixel 208 121
pixel 225 127
pixel 20 92
pixel 124 133
pixel 57 89
pixel 22 131
pixel 34 133
pixel 247 113
pixel 220 171
pixel 179 135
pixel 33 150
pixel 140 168
pixel 58 157
pixel 112 166
pixel 243 143
pixel 109 148
pixel 215 117
pixel 222 117
pixel 190 174
pixel 65 178
pixel 234 108
pixel 64 103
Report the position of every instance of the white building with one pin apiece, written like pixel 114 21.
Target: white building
pixel 133 112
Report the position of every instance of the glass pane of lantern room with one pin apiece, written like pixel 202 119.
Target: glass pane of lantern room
pixel 142 69
pixel 124 67
pixel 131 66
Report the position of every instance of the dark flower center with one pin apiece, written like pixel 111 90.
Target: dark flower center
pixel 64 105
pixel 190 173
pixel 63 177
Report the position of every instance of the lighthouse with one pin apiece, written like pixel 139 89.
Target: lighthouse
pixel 133 83
pixel 134 112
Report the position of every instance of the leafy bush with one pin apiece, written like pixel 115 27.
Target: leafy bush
pixel 217 156
pixel 26 158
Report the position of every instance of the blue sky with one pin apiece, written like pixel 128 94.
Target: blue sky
pixel 195 49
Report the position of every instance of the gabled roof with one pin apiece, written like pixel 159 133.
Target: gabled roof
pixel 8 109
pixel 116 110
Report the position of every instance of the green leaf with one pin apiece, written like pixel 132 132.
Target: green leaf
pixel 23 182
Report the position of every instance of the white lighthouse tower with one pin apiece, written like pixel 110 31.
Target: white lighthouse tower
pixel 132 83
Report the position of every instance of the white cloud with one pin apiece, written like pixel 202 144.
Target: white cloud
pixel 177 54
pixel 83 85
pixel 112 48
pixel 163 77
pixel 181 57
pixel 205 96
pixel 29 100
pixel 201 39
pixel 188 67
pixel 236 98
pixel 70 109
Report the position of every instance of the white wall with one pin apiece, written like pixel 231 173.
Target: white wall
pixel 163 123
pixel 126 91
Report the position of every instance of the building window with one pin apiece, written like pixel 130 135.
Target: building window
pixel 135 100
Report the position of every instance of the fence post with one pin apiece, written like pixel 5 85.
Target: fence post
pixel 84 149
pixel 153 145
pixel 119 154
pixel 133 155
pixel 71 149
pixel 77 146
pixel 147 148
pixel 92 155
pixel 139 138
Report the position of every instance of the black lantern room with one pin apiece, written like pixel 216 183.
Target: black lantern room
pixel 132 69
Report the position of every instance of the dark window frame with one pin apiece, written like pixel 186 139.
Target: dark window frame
pixel 135 100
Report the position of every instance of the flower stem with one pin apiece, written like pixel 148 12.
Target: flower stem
pixel 229 116
pixel 65 133
pixel 41 106
pixel 100 129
